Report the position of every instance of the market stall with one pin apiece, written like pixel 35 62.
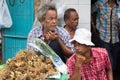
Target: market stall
pixel 40 63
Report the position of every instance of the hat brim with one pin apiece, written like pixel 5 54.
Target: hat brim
pixel 82 42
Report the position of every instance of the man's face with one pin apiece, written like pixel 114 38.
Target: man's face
pixel 50 20
pixel 80 48
pixel 73 20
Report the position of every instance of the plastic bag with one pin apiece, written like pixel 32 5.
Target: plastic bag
pixel 41 46
pixel 5 18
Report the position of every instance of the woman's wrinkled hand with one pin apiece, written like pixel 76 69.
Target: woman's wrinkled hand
pixel 51 36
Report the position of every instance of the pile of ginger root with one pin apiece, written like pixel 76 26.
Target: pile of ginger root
pixel 26 65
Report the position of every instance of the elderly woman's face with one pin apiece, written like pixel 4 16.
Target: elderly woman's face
pixel 50 20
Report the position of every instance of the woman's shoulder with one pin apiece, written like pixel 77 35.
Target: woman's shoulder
pixel 62 30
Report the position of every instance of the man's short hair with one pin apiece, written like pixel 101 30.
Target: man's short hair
pixel 67 13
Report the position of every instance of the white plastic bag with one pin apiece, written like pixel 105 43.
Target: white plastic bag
pixel 38 44
pixel 5 18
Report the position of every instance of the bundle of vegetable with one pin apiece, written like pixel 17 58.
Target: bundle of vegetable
pixel 28 66
pixel 48 52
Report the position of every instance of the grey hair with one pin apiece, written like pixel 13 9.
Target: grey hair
pixel 44 7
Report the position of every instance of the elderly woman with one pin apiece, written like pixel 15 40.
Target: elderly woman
pixel 56 37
